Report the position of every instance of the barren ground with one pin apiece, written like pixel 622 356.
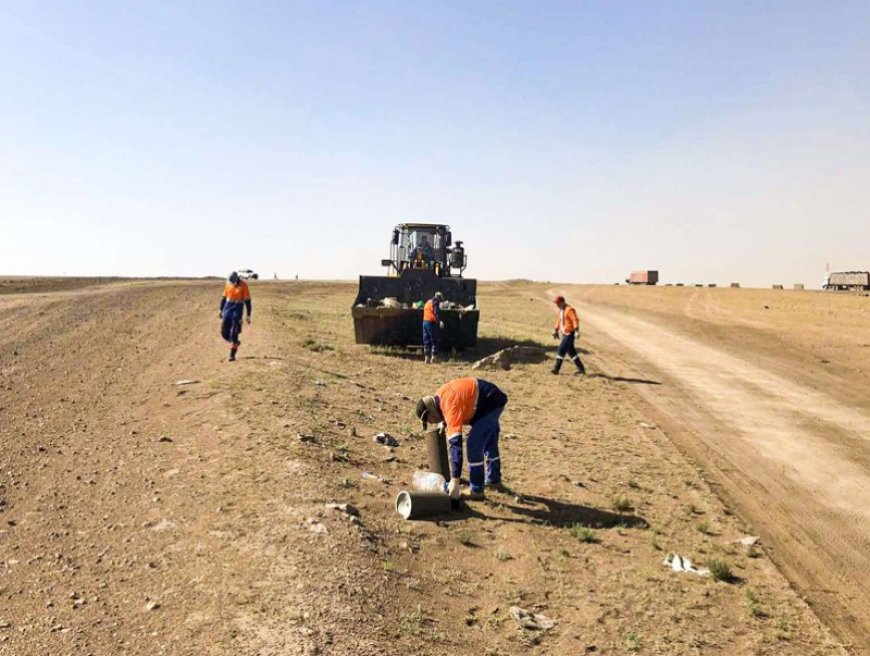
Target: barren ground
pixel 138 516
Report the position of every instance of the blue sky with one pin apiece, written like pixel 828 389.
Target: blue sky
pixel 570 141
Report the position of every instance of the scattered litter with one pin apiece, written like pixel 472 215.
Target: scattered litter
pixel 164 438
pixel 346 508
pixel 681 564
pixel 320 383
pixel 316 527
pixel 510 436
pixel 187 382
pixel 306 438
pixel 404 397
pixel 163 525
pixel 646 424
pixel 152 605
pixel 374 477
pixel 531 621
pixel 386 439
pixel 748 541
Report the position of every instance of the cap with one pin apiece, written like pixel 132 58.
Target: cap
pixel 559 299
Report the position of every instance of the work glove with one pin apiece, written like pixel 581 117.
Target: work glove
pixel 441 325
pixel 220 315
pixel 555 334
pixel 453 488
pixel 249 321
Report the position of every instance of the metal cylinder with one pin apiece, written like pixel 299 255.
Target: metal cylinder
pixel 436 449
pixel 417 505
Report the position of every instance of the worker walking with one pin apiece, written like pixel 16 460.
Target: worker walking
pixel 468 402
pixel 432 326
pixel 567 326
pixel 235 299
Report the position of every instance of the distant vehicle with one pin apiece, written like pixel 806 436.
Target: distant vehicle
pixel 247 274
pixel 424 259
pixel 643 278
pixel 856 281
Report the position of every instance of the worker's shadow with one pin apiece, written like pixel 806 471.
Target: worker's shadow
pixel 559 513
pixel 622 379
pixel 543 511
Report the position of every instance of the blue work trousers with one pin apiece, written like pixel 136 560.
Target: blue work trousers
pixel 231 328
pixel 430 337
pixel 483 444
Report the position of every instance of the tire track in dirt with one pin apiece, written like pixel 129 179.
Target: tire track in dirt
pixel 794 459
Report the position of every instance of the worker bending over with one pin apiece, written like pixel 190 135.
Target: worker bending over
pixel 468 402
pixel 431 327
pixel 567 326
pixel 236 298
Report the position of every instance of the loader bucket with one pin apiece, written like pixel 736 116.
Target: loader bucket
pixel 403 326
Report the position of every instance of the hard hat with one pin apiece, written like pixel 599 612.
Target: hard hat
pixel 559 299
pixel 234 277
pixel 439 296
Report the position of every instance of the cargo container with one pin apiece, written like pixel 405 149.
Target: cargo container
pixel 643 278
pixel 849 281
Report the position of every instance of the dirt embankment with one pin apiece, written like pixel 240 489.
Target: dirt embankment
pixel 140 516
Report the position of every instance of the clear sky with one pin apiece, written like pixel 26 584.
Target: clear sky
pixel 570 141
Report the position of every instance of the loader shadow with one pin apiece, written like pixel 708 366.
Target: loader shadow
pixel 621 379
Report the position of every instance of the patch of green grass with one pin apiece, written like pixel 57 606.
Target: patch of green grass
pixel 584 534
pixel 633 484
pixel 632 642
pixel 411 621
pixel 655 545
pixel 502 555
pixel 389 565
pixel 621 504
pixel 753 604
pixel 317 347
pixel 564 553
pixel 703 527
pixel 720 570
pixel 783 626
pixel 466 538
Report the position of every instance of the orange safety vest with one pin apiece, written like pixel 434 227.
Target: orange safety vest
pixel 429 311
pixel 458 402
pixel 237 293
pixel 567 321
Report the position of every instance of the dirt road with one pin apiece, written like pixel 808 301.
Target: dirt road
pixel 155 499
pixel 794 459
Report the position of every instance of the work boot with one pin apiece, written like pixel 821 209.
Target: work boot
pixel 471 495
pixel 581 370
pixel 232 357
pixel 556 366
pixel 426 358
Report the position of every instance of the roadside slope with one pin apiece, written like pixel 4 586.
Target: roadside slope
pixel 794 460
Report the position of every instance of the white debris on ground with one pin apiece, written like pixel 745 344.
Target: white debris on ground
pixel 680 563
pixel 531 621
pixel 513 355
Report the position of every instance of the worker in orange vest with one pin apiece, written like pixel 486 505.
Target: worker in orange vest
pixel 432 326
pixel 468 402
pixel 236 298
pixel 567 326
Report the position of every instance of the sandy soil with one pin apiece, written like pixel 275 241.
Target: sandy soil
pixel 140 516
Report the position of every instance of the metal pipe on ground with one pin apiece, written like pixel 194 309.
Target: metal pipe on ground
pixel 436 449
pixel 417 505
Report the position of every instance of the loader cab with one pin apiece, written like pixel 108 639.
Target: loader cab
pixel 425 246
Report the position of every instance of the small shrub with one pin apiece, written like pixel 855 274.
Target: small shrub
pixel 389 566
pixel 703 527
pixel 502 555
pixel 633 484
pixel 465 537
pixel 720 570
pixel 621 504
pixel 753 604
pixel 584 534
pixel 632 642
